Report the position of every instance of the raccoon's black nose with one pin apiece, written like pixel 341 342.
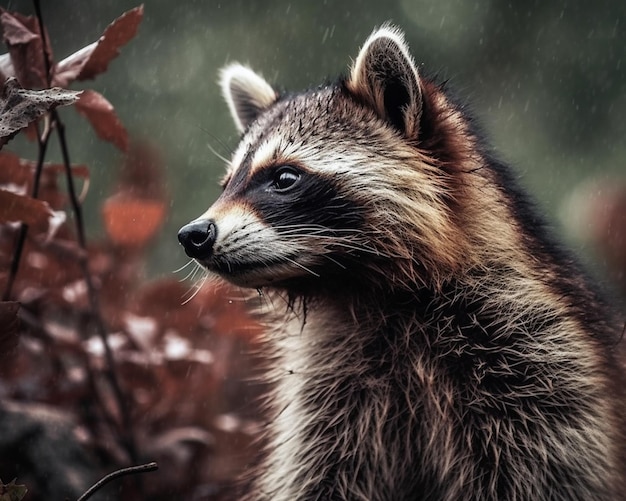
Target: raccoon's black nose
pixel 198 238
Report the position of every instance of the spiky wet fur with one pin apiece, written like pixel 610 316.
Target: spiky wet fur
pixel 439 345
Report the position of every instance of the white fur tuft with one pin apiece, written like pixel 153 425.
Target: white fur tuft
pixel 246 93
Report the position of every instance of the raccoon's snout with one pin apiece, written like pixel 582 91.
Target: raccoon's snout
pixel 198 238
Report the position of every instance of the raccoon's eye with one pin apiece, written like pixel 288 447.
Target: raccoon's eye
pixel 285 177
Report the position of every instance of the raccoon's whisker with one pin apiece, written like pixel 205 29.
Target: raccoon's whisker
pixel 338 242
pixel 196 287
pixel 191 275
pixel 222 158
pixel 348 245
pixel 308 228
pixel 317 227
pixel 309 231
pixel 188 263
pixel 188 276
pixel 319 234
pixel 267 299
pixel 219 141
pixel 302 266
pixel 198 269
pixel 336 262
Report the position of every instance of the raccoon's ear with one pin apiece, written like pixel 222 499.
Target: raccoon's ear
pixel 385 77
pixel 246 93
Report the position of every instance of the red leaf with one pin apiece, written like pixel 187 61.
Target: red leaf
pixel 16 175
pixel 21 34
pixel 103 119
pixel 77 170
pixel 29 210
pixel 132 222
pixel 14 170
pixel 94 58
pixel 19 107
pixel 15 32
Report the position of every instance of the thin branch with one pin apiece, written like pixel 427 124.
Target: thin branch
pixel 46 62
pixel 143 468
pixel 111 372
pixel 40 332
pixel 42 142
pixel 126 430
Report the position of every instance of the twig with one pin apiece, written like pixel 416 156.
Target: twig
pixel 143 468
pixel 46 62
pixel 126 430
pixel 94 303
pixel 42 142
pixel 40 332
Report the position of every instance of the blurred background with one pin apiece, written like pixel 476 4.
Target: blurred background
pixel 547 81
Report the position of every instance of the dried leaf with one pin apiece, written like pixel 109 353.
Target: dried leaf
pixel 132 222
pixel 31 132
pixel 94 58
pixel 142 330
pixel 16 175
pixel 103 119
pixel 6 67
pixel 22 208
pixel 55 223
pixel 77 170
pixel 12 491
pixel 15 29
pixel 176 347
pixel 13 170
pixel 69 68
pixel 9 332
pixel 21 34
pixel 19 107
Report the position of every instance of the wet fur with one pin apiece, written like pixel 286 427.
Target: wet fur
pixel 450 350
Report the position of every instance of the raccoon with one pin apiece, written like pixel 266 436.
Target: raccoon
pixel 433 342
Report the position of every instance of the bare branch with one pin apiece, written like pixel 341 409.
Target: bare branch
pixel 143 468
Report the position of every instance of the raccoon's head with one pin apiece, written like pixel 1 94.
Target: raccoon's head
pixel 338 185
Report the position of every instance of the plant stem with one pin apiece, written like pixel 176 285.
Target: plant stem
pixel 46 61
pixel 125 429
pixel 143 468
pixel 111 372
pixel 42 141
